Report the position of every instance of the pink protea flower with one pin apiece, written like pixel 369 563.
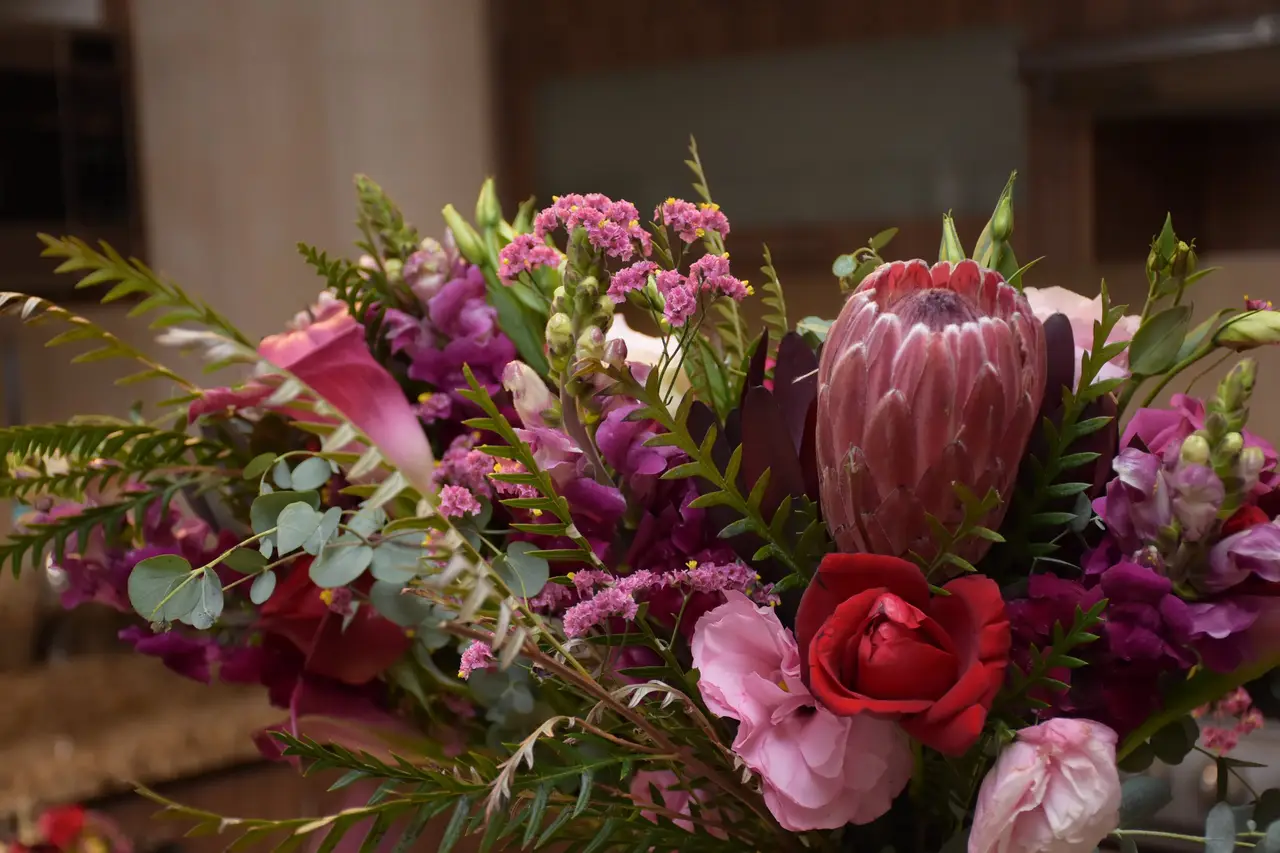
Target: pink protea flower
pixel 929 377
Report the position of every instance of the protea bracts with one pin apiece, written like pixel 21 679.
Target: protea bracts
pixel 929 377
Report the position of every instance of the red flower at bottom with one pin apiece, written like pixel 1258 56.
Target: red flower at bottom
pixel 872 640
pixel 60 827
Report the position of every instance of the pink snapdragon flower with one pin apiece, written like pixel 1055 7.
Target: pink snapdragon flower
pixel 1055 790
pixel 819 771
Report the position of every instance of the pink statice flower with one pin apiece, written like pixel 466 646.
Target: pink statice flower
pixel 611 226
pixel 1225 722
pixel 1054 790
pixel 456 501
pixel 819 771
pixel 463 465
pixel 434 407
pixel 681 303
pixel 674 799
pixel 710 274
pixel 478 655
pixel 592 612
pixel 524 254
pixel 691 222
pixel 629 279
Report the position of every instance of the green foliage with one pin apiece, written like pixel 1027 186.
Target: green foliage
pixel 98 454
pixel 852 268
pixel 992 249
pixel 1156 344
pixel 1141 797
pixel 975 510
pixel 1029 521
pixel 794 535
pixel 33 310
pixel 388 234
pixel 775 316
pixel 132 278
pixel 1057 656
pixel 548 500
pixel 727 319
pixel 32 541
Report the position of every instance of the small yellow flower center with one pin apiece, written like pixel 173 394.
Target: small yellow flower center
pixel 326 595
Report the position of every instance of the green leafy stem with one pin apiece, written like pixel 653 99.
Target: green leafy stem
pixel 1056 656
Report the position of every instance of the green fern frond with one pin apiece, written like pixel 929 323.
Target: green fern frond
pixel 33 541
pixel 33 310
pixel 775 317
pixel 135 451
pixel 133 278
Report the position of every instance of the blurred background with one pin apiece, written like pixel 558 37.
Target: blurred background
pixel 209 136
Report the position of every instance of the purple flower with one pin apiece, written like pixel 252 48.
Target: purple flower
pixel 1255 550
pixel 427 269
pixel 462 465
pixel 1163 429
pixel 710 274
pixel 1147 495
pixel 1145 621
pixel 691 222
pixel 199 657
pixel 475 656
pixel 1219 629
pixel 1197 497
pixel 622 442
pixel 680 305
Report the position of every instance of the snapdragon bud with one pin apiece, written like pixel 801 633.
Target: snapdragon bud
pixel 488 211
pixel 559 301
pixel 591 344
pixel 1249 466
pixel 464 235
pixel 1195 450
pixel 615 352
pixel 559 334
pixel 394 268
pixel 1231 445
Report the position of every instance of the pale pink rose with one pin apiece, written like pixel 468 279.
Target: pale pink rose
pixel 1055 790
pixel 331 357
pixel 674 799
pixel 819 771
pixel 1083 313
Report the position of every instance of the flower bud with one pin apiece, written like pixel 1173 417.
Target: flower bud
pixel 559 334
pixel 615 352
pixel 1002 220
pixel 591 344
pixel 559 301
pixel 394 268
pixel 1215 426
pixel 529 394
pixel 1249 466
pixel 469 243
pixel 1231 445
pixel 1195 450
pixel 488 211
pixel 1249 330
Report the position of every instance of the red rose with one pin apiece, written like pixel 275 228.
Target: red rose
pixel 1243 519
pixel 61 826
pixel 872 640
pixel 354 654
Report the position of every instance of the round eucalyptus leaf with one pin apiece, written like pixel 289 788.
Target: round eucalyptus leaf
pixel 209 602
pixel 296 523
pixel 1271 841
pixel 1141 797
pixel 245 561
pixel 403 609
pixel 262 587
pixel 523 574
pixel 324 531
pixel 396 561
pixel 340 563
pixel 163 588
pixel 311 473
pixel 267 508
pixel 1220 829
pixel 259 465
pixel 281 476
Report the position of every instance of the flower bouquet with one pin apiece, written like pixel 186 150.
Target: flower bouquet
pixel 936 574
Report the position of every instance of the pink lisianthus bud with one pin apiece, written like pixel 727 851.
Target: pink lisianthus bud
pixel 1055 790
pixel 929 377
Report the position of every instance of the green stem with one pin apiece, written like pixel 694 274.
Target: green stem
pixel 1172 836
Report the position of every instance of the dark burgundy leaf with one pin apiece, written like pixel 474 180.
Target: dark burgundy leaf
pixel 795 383
pixel 762 427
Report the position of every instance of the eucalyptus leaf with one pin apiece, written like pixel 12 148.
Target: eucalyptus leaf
pixel 1155 346
pixel 844 266
pixel 395 561
pixel 1267 810
pixel 155 579
pixel 262 587
pixel 368 522
pixel 209 602
pixel 404 610
pixel 1270 842
pixel 1141 797
pixel 341 563
pixel 324 531
pixel 296 523
pixel 281 476
pixel 267 508
pixel 245 561
pixel 1172 743
pixel 1220 829
pixel 259 465
pixel 311 473
pixel 815 326
pixel 523 574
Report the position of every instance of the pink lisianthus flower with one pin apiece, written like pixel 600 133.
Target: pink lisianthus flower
pixel 1083 313
pixel 331 357
pixel 819 771
pixel 674 799
pixel 1055 790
